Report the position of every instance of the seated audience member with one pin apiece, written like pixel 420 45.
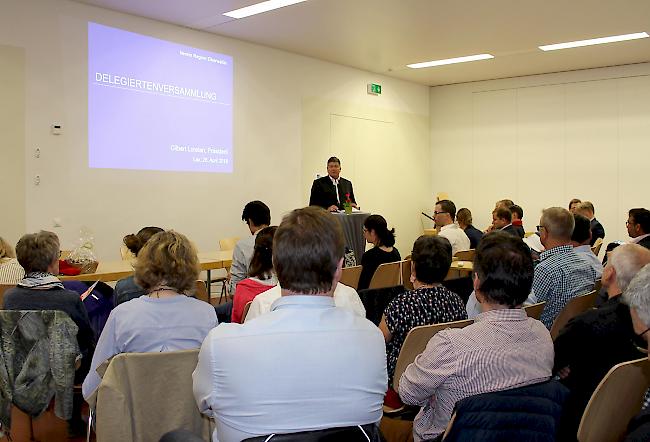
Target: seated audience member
pixel 444 215
pixel 637 297
pixel 165 319
pixel 503 349
pixel 308 365
pixel 506 204
pixel 375 231
pixel 580 240
pixel 586 208
pixel 428 303
pixel 596 340
pixel 126 288
pixel 502 220
pixel 464 218
pixel 561 273
pixel 344 297
pixel 261 276
pixel 573 204
pixel 10 270
pixel 517 219
pixel 638 227
pixel 40 289
pixel 257 216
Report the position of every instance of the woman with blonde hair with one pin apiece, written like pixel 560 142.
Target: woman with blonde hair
pixel 163 320
pixel 10 270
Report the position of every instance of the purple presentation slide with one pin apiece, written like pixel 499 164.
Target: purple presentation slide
pixel 157 105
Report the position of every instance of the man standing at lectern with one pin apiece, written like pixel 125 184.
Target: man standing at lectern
pixel 329 192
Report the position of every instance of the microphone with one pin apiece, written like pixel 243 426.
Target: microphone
pixel 428 216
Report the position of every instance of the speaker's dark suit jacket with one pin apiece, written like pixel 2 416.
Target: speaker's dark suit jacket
pixel 597 230
pixel 323 192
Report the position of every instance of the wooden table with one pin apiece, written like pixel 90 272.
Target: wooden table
pixel 115 270
pixel 460 269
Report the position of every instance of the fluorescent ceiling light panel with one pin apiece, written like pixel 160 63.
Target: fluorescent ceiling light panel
pixel 594 41
pixel 259 8
pixel 428 64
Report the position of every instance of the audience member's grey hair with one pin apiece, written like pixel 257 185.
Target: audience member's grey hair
pixel 637 295
pixel 558 222
pixel 627 260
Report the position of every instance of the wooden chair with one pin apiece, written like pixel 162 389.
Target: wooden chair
pixel 225 244
pixel 387 275
pixel 615 401
pixel 406 274
pixel 125 253
pixel 465 255
pixel 162 403
pixel 201 292
pixel 415 343
pixel 3 289
pixel 572 309
pixel 350 276
pixel 597 245
pixel 247 307
pixel 535 310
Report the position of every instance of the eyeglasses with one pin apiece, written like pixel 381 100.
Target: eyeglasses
pixel 438 213
pixel 628 223
pixel 539 229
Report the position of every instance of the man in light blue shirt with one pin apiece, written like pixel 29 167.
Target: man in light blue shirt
pixel 306 365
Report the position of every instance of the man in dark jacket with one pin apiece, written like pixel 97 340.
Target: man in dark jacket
pixel 638 226
pixel 596 340
pixel 586 208
pixel 331 191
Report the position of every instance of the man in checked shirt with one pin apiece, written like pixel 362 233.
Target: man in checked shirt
pixel 503 349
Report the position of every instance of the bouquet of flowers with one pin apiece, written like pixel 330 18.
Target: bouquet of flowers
pixel 347 204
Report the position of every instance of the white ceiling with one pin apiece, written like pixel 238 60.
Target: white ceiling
pixel 383 36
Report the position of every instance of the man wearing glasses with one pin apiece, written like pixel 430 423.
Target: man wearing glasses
pixel 638 227
pixel 561 273
pixel 444 215
pixel 596 340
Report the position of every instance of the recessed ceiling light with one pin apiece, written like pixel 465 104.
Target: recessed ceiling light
pixel 259 8
pixel 428 64
pixel 593 41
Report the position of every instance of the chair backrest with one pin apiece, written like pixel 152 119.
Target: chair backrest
pixel 228 243
pixel 597 245
pixel 615 401
pixel 465 255
pixel 375 301
pixel 360 433
pixel 535 310
pixel 247 307
pixel 572 309
pixel 386 275
pixel 3 289
pixel 144 395
pixel 415 343
pixel 201 292
pixel 350 276
pixel 126 254
pixel 406 273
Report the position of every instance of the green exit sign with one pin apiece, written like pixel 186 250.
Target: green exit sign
pixel 374 89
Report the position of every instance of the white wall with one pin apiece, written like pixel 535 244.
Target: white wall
pixel 542 140
pixel 12 141
pixel 270 86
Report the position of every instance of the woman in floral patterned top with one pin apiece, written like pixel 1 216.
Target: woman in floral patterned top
pixel 429 303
